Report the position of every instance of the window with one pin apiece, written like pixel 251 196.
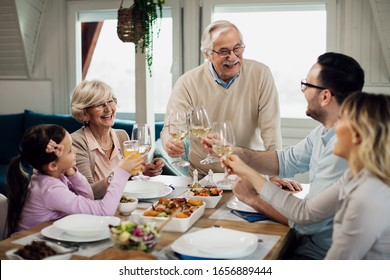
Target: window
pixel 288 38
pixel 113 61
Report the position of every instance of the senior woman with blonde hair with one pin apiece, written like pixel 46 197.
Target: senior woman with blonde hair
pixel 359 200
pixel 98 145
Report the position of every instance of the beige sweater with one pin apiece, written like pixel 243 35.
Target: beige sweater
pixel 251 104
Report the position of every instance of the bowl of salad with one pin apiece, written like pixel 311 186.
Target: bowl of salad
pixel 132 236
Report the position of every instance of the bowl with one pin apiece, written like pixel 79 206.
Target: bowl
pixel 127 205
pixel 210 196
pixel 132 236
pixel 39 250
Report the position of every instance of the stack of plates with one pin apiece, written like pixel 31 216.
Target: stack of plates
pixel 215 243
pixel 80 228
pixel 146 189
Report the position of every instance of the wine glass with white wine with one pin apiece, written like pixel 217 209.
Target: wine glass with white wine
pixel 178 128
pixel 223 141
pixel 141 132
pixel 201 127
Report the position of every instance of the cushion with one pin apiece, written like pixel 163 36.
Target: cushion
pixel 64 120
pixel 124 124
pixel 3 179
pixel 13 128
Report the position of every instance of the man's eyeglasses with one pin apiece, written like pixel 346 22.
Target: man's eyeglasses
pixel 305 85
pixel 223 53
pixel 100 107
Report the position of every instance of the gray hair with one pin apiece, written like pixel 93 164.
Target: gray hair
pixel 213 31
pixel 86 94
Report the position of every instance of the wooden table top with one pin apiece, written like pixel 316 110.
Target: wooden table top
pixel 168 237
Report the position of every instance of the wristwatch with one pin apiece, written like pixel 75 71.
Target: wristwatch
pixel 109 178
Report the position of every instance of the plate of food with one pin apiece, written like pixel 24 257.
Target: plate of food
pixel 210 195
pixel 146 189
pixel 236 204
pixel 39 250
pixel 217 177
pixel 186 212
pixel 216 243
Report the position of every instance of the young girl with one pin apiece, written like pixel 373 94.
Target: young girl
pixel 359 200
pixel 56 188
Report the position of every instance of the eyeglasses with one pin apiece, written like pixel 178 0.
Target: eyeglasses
pixel 223 53
pixel 305 85
pixel 100 107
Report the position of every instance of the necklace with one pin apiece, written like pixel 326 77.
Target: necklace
pixel 107 149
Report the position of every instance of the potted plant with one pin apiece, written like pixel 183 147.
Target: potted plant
pixel 137 24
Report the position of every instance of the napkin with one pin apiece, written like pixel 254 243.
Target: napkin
pixel 249 216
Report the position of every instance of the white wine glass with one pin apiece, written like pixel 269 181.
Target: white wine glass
pixel 141 132
pixel 223 141
pixel 178 130
pixel 201 127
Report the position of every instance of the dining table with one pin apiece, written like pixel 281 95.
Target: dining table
pixel 279 235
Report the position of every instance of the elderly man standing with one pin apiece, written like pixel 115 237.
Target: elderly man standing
pixel 230 88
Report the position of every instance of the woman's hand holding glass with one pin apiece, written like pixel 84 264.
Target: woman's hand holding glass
pixel 178 129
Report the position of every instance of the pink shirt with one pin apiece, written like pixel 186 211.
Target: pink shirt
pixel 53 198
pixel 103 164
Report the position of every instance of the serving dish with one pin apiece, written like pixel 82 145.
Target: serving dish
pixel 236 204
pixel 211 201
pixel 216 243
pixel 146 189
pixel 217 177
pixel 85 225
pixel 175 224
pixel 61 252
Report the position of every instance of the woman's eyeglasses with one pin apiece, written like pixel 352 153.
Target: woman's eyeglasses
pixel 100 107
pixel 223 53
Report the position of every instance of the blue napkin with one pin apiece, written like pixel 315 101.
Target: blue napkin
pixel 250 217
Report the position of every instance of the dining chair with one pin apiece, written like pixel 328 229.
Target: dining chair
pixel 3 215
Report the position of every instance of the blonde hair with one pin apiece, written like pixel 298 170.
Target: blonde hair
pixel 369 115
pixel 86 94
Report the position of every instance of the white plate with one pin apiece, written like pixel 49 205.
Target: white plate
pixel 146 189
pixel 85 225
pixel 211 201
pixel 11 254
pixel 235 204
pixel 216 243
pixel 55 233
pixel 218 177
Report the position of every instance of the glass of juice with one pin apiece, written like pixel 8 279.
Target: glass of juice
pixel 129 147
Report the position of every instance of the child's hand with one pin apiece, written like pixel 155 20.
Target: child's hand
pixel 71 171
pixel 131 162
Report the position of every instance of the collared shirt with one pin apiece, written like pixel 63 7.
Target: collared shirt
pixel 314 154
pixel 103 164
pixel 222 83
